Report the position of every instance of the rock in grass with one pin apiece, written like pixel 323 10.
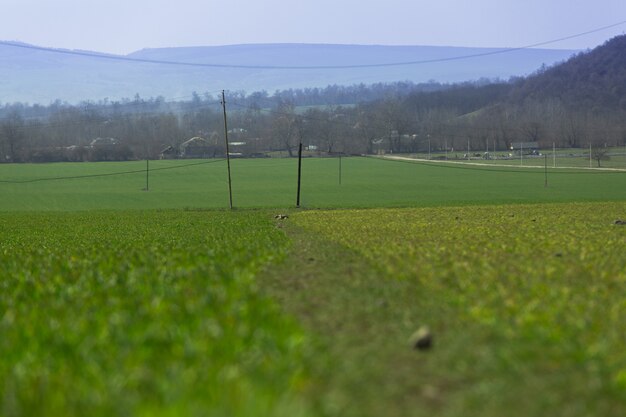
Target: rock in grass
pixel 422 339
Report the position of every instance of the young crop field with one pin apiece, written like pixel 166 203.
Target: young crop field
pixel 122 295
pixel 144 314
pixel 525 304
pixel 326 182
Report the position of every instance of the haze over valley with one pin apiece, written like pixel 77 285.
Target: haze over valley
pixel 42 76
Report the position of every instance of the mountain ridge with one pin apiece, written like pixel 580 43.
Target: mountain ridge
pixel 595 79
pixel 42 76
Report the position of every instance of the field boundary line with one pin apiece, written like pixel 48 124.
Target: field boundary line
pixel 439 161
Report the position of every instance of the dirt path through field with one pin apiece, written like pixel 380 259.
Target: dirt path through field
pixel 362 321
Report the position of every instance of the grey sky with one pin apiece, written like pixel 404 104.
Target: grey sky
pixel 122 26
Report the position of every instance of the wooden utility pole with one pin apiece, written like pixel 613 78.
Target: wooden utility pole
pixel 147 174
pixel 230 189
pixel 545 157
pixel 299 174
pixel 339 169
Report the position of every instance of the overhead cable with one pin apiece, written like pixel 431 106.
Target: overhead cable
pixel 300 67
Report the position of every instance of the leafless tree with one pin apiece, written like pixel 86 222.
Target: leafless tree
pixel 286 127
pixel 12 128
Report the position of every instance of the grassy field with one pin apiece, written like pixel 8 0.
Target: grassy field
pixel 144 314
pixel 365 182
pixel 562 158
pixel 525 302
pixel 162 305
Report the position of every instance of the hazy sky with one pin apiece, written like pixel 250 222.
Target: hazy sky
pixel 122 26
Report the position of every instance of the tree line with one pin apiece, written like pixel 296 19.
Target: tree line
pixel 401 118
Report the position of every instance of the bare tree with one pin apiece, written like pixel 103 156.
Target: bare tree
pixel 574 129
pixel 396 120
pixel 367 129
pixel 12 128
pixel 286 127
pixel 599 153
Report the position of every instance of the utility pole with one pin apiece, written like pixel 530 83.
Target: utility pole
pixel 147 174
pixel 545 159
pixel 339 169
pixel 230 189
pixel 299 174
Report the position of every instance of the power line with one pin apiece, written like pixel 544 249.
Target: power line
pixel 108 174
pixel 451 165
pixel 303 67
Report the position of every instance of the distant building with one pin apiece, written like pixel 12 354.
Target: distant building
pixel 238 149
pixel 109 149
pixel 379 147
pixel 254 148
pixel 104 142
pixel 197 147
pixel 169 153
pixel 527 147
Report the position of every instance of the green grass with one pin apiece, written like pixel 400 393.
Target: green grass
pixel 565 158
pixel 365 182
pixel 526 304
pixel 144 314
pixel 157 307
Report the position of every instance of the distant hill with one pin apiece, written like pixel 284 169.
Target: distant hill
pixel 595 80
pixel 37 76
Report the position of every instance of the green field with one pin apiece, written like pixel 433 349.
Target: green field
pixel 562 158
pixel 365 182
pixel 120 301
pixel 144 313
